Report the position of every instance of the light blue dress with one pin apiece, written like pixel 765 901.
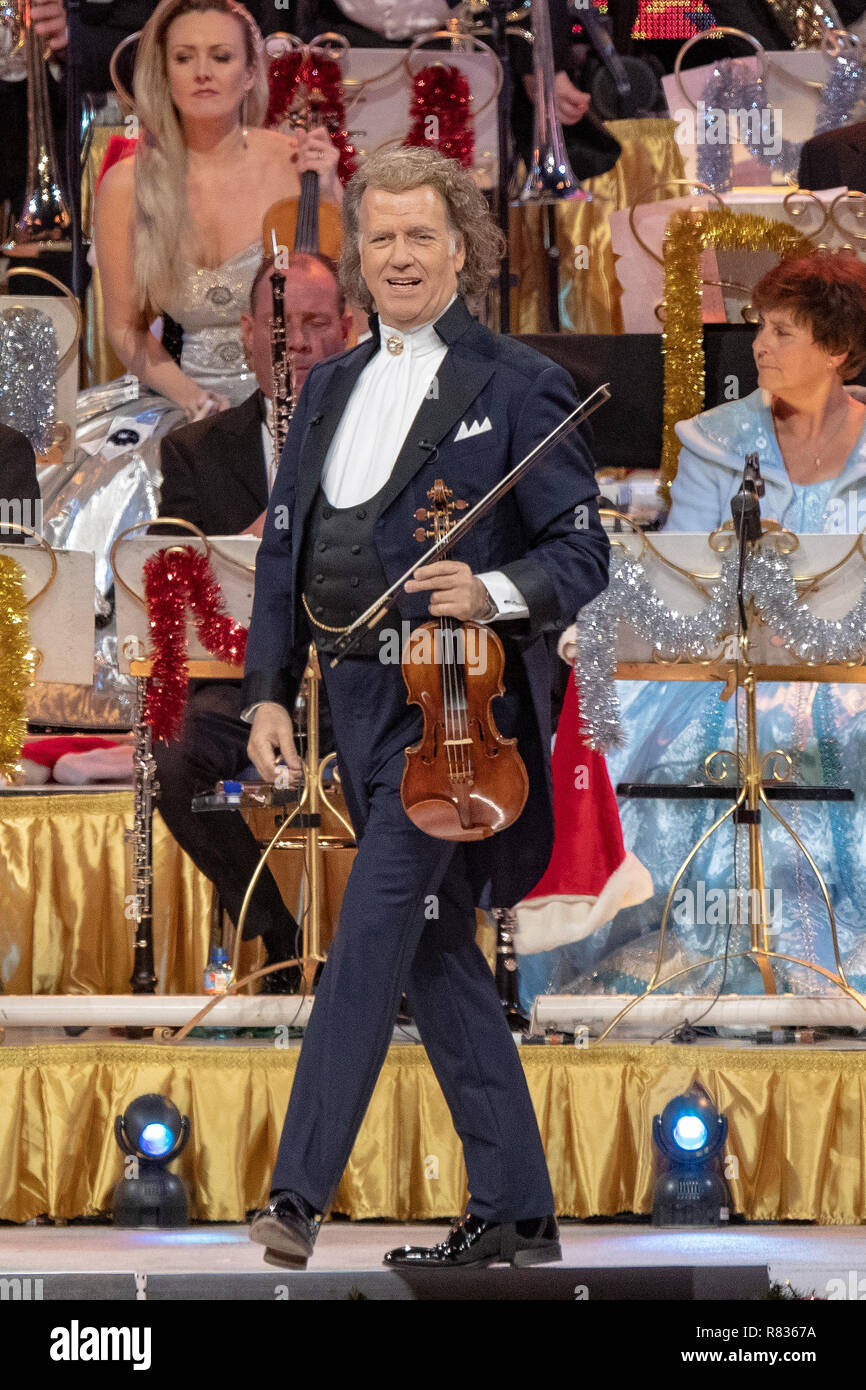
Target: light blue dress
pixel 671 727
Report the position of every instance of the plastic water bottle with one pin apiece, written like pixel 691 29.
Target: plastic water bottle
pixel 218 976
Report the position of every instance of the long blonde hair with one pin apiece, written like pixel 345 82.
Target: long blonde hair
pixel 161 220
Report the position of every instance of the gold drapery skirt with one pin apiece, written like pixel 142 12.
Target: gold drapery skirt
pixel 796 1128
pixel 589 293
pixel 62 925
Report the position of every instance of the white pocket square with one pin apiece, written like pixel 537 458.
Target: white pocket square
pixel 469 431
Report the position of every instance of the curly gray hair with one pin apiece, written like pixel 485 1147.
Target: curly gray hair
pixel 466 211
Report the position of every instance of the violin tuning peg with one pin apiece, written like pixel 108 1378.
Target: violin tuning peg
pixel 421 514
pixel 420 534
pixel 460 504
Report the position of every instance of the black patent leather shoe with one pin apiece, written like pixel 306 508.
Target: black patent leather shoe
pixel 473 1243
pixel 287 1231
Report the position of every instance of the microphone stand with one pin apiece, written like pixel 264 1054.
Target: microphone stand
pixel 746 512
pixel 499 44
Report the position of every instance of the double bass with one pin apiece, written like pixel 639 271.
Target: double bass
pixel 308 223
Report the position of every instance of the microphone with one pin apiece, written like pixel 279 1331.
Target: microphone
pixel 745 507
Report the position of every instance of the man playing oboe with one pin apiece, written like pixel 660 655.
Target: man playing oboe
pixel 217 473
pixel 431 395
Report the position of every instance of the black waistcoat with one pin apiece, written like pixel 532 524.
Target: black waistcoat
pixel 340 569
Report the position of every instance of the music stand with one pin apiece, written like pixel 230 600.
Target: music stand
pixel 756 657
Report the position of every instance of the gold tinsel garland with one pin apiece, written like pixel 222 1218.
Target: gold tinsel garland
pixel 688 234
pixel 16 665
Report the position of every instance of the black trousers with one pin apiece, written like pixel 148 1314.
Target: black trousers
pixel 407 922
pixel 213 745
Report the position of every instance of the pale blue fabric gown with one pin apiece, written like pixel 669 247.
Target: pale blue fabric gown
pixel 671 727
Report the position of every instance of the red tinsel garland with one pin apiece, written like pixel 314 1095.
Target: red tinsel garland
pixel 322 75
pixel 175 579
pixel 441 113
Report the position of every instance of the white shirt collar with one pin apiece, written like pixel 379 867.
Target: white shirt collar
pixel 417 340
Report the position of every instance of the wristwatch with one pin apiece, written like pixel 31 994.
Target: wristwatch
pixel 492 609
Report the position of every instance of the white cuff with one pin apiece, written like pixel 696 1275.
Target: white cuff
pixel 505 594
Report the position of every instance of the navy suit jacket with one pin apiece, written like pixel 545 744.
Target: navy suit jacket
pixel 545 534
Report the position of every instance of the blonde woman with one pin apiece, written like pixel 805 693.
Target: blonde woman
pixel 178 227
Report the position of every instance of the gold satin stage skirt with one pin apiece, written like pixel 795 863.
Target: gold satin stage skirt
pixel 796 1126
pixel 796 1117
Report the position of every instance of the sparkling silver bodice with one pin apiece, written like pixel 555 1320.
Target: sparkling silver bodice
pixel 209 312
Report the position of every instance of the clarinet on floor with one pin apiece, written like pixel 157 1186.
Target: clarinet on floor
pixel 139 905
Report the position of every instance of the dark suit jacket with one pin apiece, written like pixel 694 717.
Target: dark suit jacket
pixel 836 157
pixel 557 558
pixel 214 472
pixel 19 488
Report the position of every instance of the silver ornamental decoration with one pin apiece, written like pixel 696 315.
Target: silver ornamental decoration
pixel 28 374
pixel 631 598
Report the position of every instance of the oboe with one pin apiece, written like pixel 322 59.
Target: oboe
pixel 282 366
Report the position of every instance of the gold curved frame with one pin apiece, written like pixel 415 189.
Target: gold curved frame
pixel 837 49
pixel 717 32
pixel 209 547
pixel 453 34
pixel 637 202
pixel 853 195
pixel 125 98
pixel 721 541
pixel 314 795
pixel 43 545
pixel 826 213
pixel 335 50
pixel 671 183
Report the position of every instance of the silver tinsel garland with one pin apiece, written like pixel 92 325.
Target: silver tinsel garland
pixel 632 598
pixel 28 374
pixel 727 93
pixel 844 93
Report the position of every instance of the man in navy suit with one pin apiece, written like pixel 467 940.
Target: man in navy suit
pixel 431 395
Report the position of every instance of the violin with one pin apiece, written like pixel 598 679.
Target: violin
pixel 307 223
pixel 463 780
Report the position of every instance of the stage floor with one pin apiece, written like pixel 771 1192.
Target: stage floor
pixel 607 1260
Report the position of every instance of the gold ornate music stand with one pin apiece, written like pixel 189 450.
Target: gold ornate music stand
pixel 312 840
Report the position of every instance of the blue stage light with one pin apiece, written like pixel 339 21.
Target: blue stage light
pixel 156 1140
pixel 690 1133
pixel 152 1133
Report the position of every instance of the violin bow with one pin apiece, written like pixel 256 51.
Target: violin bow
pixel 372 616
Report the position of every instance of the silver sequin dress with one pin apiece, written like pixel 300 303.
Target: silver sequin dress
pixel 209 312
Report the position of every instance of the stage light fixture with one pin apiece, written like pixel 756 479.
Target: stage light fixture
pixel 689 1134
pixel 152 1133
